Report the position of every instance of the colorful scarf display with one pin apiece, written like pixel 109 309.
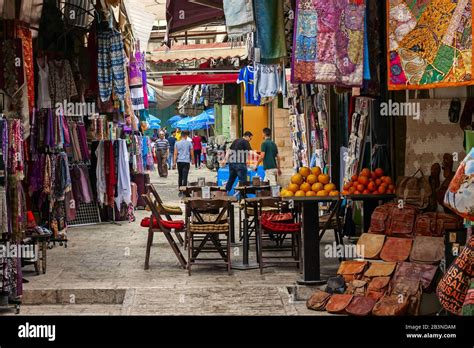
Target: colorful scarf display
pixel 429 43
pixel 328 42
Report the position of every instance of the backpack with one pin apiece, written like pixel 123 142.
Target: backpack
pixel 415 191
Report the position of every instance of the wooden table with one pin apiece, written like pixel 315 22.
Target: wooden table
pixel 250 190
pixel 369 203
pixel 189 190
pixel 311 236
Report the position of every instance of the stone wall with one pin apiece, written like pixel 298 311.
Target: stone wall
pixel 282 139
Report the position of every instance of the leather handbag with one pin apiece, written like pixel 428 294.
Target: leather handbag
pixel 338 303
pixel 402 222
pixel 370 245
pixel 454 286
pixel 377 287
pixel 396 249
pixel 380 219
pixel 408 288
pixel 424 273
pixel 336 285
pixel 351 270
pixel 318 300
pixel 390 306
pixel 357 287
pixel 435 224
pixel 360 306
pixel 380 269
pixel 414 190
pixel 428 250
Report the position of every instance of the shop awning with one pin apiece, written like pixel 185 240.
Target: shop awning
pixel 199 79
pixel 182 15
pixel 202 52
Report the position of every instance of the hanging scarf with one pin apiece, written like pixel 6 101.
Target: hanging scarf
pixel 239 18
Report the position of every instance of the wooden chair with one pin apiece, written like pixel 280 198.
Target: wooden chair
pixel 166 213
pixel 158 224
pixel 333 220
pixel 211 228
pixel 278 236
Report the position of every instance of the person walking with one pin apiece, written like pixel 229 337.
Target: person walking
pixel 237 156
pixel 197 146
pixel 162 152
pixel 183 157
pixel 270 158
pixel 178 134
pixel 172 142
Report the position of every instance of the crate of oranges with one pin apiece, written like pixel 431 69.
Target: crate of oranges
pixel 310 182
pixel 369 182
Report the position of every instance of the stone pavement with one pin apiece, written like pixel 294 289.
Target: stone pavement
pixel 101 272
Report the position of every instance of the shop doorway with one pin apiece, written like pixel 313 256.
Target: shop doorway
pixel 255 118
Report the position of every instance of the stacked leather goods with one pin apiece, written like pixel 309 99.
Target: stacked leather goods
pixel 375 288
pixel 399 261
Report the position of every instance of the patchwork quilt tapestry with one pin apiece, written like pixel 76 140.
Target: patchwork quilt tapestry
pixel 328 42
pixel 429 43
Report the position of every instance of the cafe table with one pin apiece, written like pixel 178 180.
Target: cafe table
pixel 369 203
pixel 247 190
pixel 312 236
pixel 189 190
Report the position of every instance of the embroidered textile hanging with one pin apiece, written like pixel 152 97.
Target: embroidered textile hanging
pixel 429 43
pixel 328 42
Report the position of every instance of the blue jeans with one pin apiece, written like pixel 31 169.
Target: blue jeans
pixel 170 160
pixel 236 170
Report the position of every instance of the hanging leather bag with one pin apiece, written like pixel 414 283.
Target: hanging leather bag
pixel 414 190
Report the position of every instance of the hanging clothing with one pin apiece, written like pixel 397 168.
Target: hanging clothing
pixel 239 18
pixel 136 83
pixel 61 82
pixel 270 21
pixel 44 95
pixel 267 80
pixel 100 174
pixel 246 76
pixel 124 189
pixel 111 65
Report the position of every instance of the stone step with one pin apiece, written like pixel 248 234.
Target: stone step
pixel 73 296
